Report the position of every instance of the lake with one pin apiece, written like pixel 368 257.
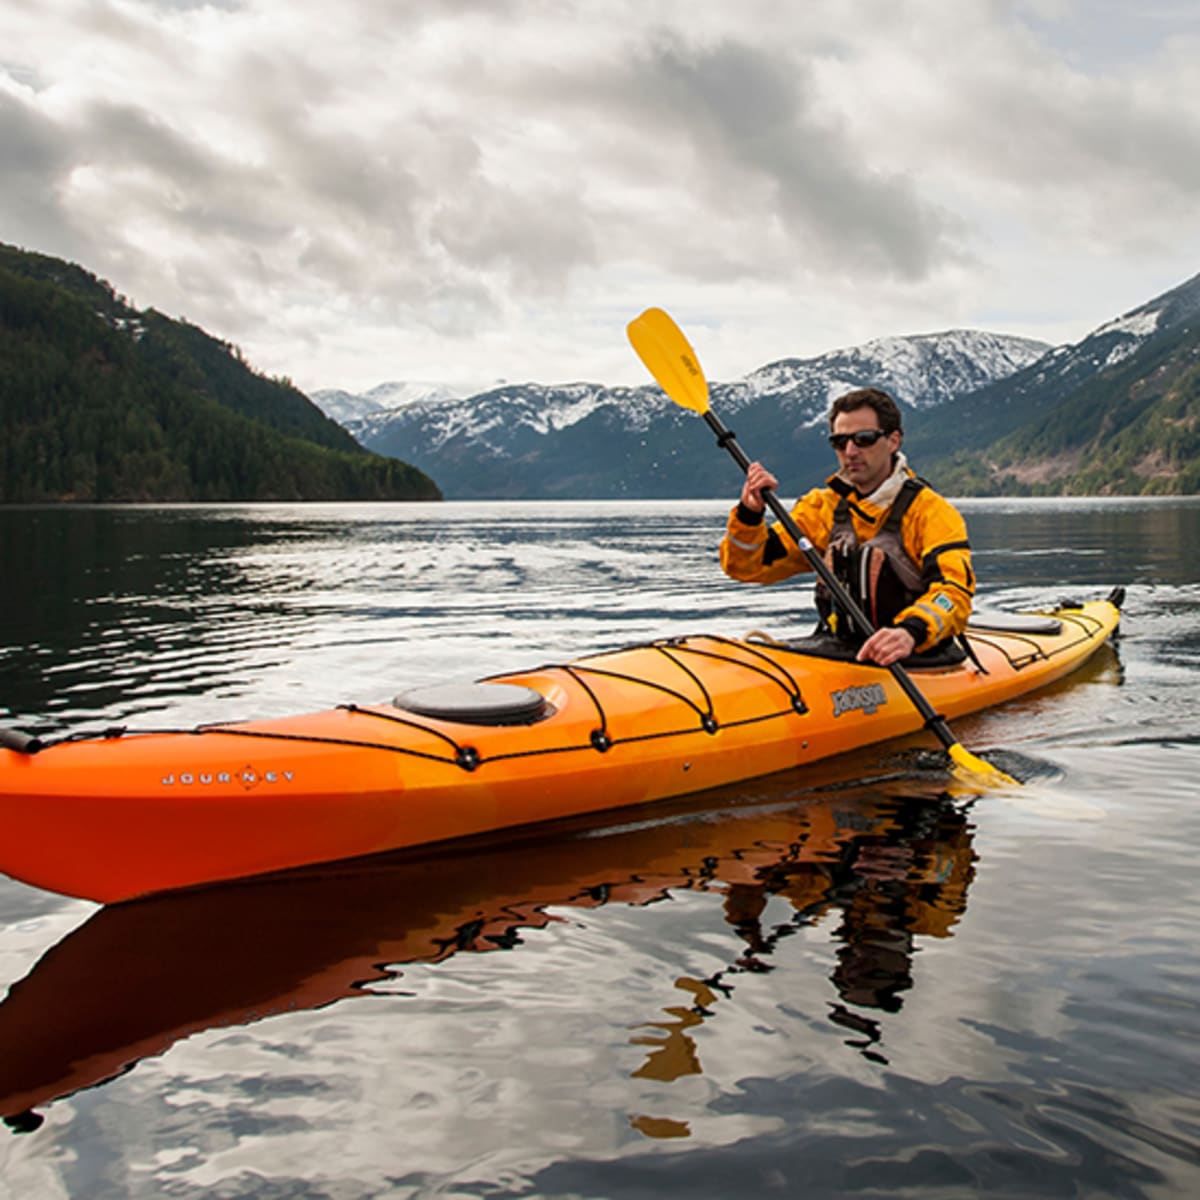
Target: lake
pixel 856 980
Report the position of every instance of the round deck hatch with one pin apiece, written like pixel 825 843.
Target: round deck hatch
pixel 476 703
pixel 1006 622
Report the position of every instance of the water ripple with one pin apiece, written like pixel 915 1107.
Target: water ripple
pixel 840 982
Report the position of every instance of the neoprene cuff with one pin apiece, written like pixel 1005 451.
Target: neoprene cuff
pixel 748 516
pixel 915 626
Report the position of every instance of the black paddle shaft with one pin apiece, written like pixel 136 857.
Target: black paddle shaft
pixel 934 721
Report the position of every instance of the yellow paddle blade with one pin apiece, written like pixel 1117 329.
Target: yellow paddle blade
pixel 971 769
pixel 669 358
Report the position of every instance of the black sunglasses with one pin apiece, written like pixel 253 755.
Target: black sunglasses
pixel 862 439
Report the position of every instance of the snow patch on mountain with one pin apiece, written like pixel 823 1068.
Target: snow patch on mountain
pixel 565 406
pixel 1113 342
pixel 1140 324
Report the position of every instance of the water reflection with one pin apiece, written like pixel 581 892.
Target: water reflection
pixel 883 868
pixel 902 872
pixel 123 611
pixel 119 610
pixel 1078 541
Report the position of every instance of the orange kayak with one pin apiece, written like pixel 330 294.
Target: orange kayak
pixel 123 814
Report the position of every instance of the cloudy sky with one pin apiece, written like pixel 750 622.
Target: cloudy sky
pixel 466 190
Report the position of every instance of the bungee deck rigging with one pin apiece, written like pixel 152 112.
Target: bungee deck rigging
pixel 465 756
pixel 577 670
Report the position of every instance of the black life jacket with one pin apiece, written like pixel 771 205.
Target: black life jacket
pixel 879 574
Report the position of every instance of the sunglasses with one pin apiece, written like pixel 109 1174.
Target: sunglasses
pixel 862 439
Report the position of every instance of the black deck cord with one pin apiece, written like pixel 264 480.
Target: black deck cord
pixel 791 687
pixel 601 739
pixel 1088 626
pixel 638 737
pixel 708 720
pixel 465 756
pixel 1017 664
pixel 969 651
pixel 316 739
pixel 706 717
pixel 1084 621
pixel 575 668
pixel 119 731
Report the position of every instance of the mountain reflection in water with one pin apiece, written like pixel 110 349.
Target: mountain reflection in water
pixel 889 864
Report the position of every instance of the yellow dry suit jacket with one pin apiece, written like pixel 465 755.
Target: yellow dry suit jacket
pixel 933 533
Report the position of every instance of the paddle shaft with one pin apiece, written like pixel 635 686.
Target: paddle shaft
pixel 934 721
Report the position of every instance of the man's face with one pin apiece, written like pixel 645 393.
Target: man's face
pixel 866 467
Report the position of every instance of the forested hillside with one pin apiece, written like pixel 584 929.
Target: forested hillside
pixel 102 402
pixel 1099 418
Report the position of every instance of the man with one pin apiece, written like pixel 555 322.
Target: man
pixel 877 524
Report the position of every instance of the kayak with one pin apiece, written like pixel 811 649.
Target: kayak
pixel 120 814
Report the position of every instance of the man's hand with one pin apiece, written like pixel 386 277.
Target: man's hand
pixel 886 646
pixel 757 478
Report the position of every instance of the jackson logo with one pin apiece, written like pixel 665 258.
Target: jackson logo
pixel 868 698
pixel 248 776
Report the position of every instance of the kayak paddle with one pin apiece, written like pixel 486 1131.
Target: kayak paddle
pixel 661 345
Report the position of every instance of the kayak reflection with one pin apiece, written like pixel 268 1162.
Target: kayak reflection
pixel 888 863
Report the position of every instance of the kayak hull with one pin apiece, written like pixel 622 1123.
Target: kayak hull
pixel 115 817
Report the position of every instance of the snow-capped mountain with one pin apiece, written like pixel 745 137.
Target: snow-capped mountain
pixel 346 408
pixel 1029 395
pixel 1116 340
pixel 589 440
pixel 921 371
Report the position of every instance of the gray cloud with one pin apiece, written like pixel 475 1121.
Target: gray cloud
pixel 721 162
pixel 535 240
pixel 35 159
pixel 1063 131
pixel 751 111
pixel 437 172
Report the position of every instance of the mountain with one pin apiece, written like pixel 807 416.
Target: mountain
pixel 585 440
pixel 347 408
pixel 1116 413
pixel 102 402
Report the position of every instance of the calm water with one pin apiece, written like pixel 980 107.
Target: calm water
pixel 856 982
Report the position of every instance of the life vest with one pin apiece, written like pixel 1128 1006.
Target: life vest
pixel 879 574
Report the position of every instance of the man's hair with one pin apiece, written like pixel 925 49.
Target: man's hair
pixel 883 405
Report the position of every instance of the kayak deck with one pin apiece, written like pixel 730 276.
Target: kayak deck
pixel 124 814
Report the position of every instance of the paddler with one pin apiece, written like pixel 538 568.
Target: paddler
pixel 899 547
